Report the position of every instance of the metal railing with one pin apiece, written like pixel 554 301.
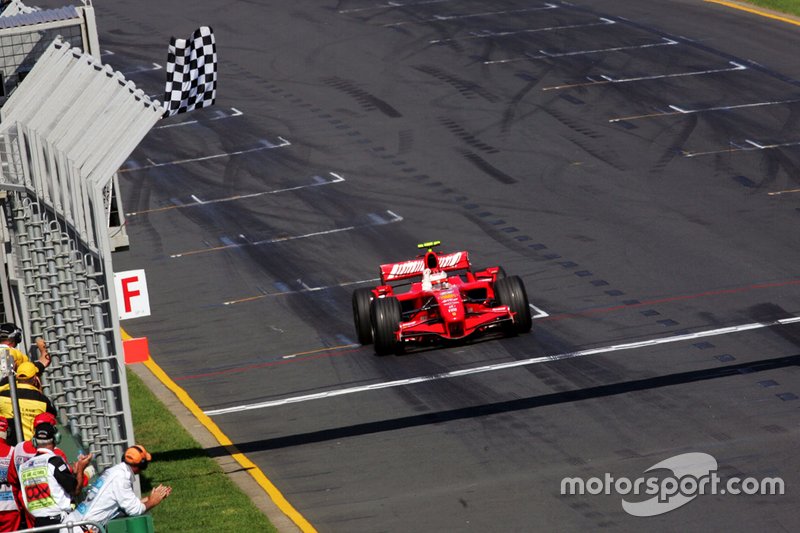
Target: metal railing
pixel 69 526
pixel 65 132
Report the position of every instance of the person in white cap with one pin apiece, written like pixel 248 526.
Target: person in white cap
pixel 112 493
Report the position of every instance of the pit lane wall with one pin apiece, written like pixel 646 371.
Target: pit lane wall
pixel 64 132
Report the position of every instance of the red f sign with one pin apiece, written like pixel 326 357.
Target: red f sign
pixel 131 290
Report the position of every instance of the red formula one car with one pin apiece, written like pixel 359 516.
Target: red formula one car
pixel 444 300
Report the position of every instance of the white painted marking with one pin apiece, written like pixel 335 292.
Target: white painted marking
pixel 485 34
pixel 318 181
pixel 676 108
pixel 395 218
pixel 609 79
pixel 106 53
pixel 310 289
pixel 236 113
pixel 391 5
pixel 155 66
pixel 742 149
pixel 708 109
pixel 540 313
pixel 265 241
pixel 196 199
pixel 443 18
pixel 546 55
pixel 788 191
pixel 501 366
pixel 743 106
pixel 266 146
pixel 753 143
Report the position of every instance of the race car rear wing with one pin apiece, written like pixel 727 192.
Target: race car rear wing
pixel 410 269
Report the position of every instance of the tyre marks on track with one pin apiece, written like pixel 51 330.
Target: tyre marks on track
pixel 506 366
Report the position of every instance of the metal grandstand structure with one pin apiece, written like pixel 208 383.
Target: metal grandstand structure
pixel 64 133
pixel 25 32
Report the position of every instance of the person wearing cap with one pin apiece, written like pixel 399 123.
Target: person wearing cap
pixel 25 450
pixel 10 516
pixel 112 493
pixel 11 337
pixel 32 401
pixel 47 483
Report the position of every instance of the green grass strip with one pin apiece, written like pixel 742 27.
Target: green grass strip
pixel 784 6
pixel 203 498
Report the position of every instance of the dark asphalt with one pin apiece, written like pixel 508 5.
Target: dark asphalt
pixel 623 231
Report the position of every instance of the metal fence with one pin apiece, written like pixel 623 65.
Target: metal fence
pixel 26 32
pixel 63 135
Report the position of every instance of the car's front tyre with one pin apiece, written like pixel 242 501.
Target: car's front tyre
pixel 362 298
pixel 510 291
pixel 386 316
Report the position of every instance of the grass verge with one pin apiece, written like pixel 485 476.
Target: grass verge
pixel 791 7
pixel 203 497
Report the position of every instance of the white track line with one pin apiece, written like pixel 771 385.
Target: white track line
pixel 266 145
pixel 778 193
pixel 679 111
pixel 305 289
pixel 547 55
pixel 155 66
pixel 491 34
pixel 220 115
pixel 743 149
pixel 608 80
pixel 445 18
pixel 394 218
pixel 502 366
pixel 198 202
pixel 392 5
pixel 540 313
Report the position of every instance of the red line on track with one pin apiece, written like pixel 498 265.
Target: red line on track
pixel 588 312
pixel 241 369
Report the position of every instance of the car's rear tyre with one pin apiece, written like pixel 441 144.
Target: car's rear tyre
pixel 386 315
pixel 510 291
pixel 362 298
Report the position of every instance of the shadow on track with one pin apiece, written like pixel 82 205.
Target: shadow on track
pixel 497 408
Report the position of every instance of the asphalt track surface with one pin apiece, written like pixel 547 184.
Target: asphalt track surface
pixel 636 163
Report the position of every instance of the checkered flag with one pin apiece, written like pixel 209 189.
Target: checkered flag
pixel 191 73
